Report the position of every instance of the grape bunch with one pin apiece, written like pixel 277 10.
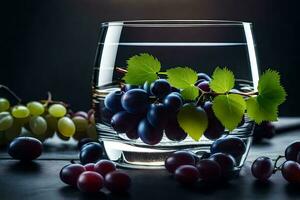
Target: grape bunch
pixel 92 177
pixel 217 166
pixel 263 168
pixel 42 120
pixel 148 111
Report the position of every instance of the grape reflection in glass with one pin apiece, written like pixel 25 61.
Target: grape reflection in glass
pixel 201 45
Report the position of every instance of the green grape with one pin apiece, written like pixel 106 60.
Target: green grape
pixel 66 126
pixel 81 123
pixel 79 135
pixel 38 125
pixel 20 111
pixel 13 132
pixel 57 110
pixel 91 131
pixel 51 122
pixel 22 121
pixel 6 121
pixel 35 108
pixel 4 104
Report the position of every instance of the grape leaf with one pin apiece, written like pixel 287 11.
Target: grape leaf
pixel 190 93
pixel 181 77
pixel 193 120
pixel 222 80
pixel 269 89
pixel 229 109
pixel 142 68
pixel 264 107
pixel 184 78
pixel 260 113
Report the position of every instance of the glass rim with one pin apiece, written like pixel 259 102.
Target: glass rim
pixel 174 23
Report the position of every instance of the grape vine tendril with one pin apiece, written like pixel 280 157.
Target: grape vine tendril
pixel 12 93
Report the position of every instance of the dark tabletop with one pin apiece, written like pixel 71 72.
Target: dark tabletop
pixel 39 180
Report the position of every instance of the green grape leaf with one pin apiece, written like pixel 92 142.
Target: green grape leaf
pixel 184 78
pixel 181 77
pixel 142 68
pixel 229 109
pixel 269 89
pixel 264 107
pixel 190 93
pixel 260 113
pixel 222 80
pixel 193 120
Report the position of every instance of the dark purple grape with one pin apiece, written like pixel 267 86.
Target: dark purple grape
pixel 90 182
pixel 117 182
pixel 149 134
pixel 135 101
pixel 84 141
pixel 291 171
pixel 264 130
pixel 214 129
pixel 91 153
pixel 173 89
pixel 209 170
pixel 70 173
pixel 146 87
pixel 173 130
pixel 25 148
pixel 226 162
pixel 292 151
pixel 113 101
pixel 230 145
pixel 203 76
pixel 298 157
pixel 128 87
pixel 157 116
pixel 89 167
pixel 177 159
pixel 173 102
pixel 106 115
pixel 132 134
pixel 160 88
pixel 124 121
pixel 262 168
pixel 187 174
pixel 204 86
pixel 103 167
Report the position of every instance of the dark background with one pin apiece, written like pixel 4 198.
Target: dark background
pixel 50 45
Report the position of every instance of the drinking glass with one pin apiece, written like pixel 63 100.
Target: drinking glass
pixel 201 45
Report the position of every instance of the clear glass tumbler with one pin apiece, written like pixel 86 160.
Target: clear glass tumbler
pixel 201 45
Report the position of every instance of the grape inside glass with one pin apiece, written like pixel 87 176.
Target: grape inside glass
pixel 200 45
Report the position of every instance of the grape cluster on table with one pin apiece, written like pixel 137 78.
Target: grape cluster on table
pixel 150 110
pixel 263 167
pixel 214 167
pixel 94 172
pixel 42 120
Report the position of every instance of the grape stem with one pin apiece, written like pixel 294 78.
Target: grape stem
pixel 12 93
pixel 50 101
pixel 276 168
pixel 121 70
